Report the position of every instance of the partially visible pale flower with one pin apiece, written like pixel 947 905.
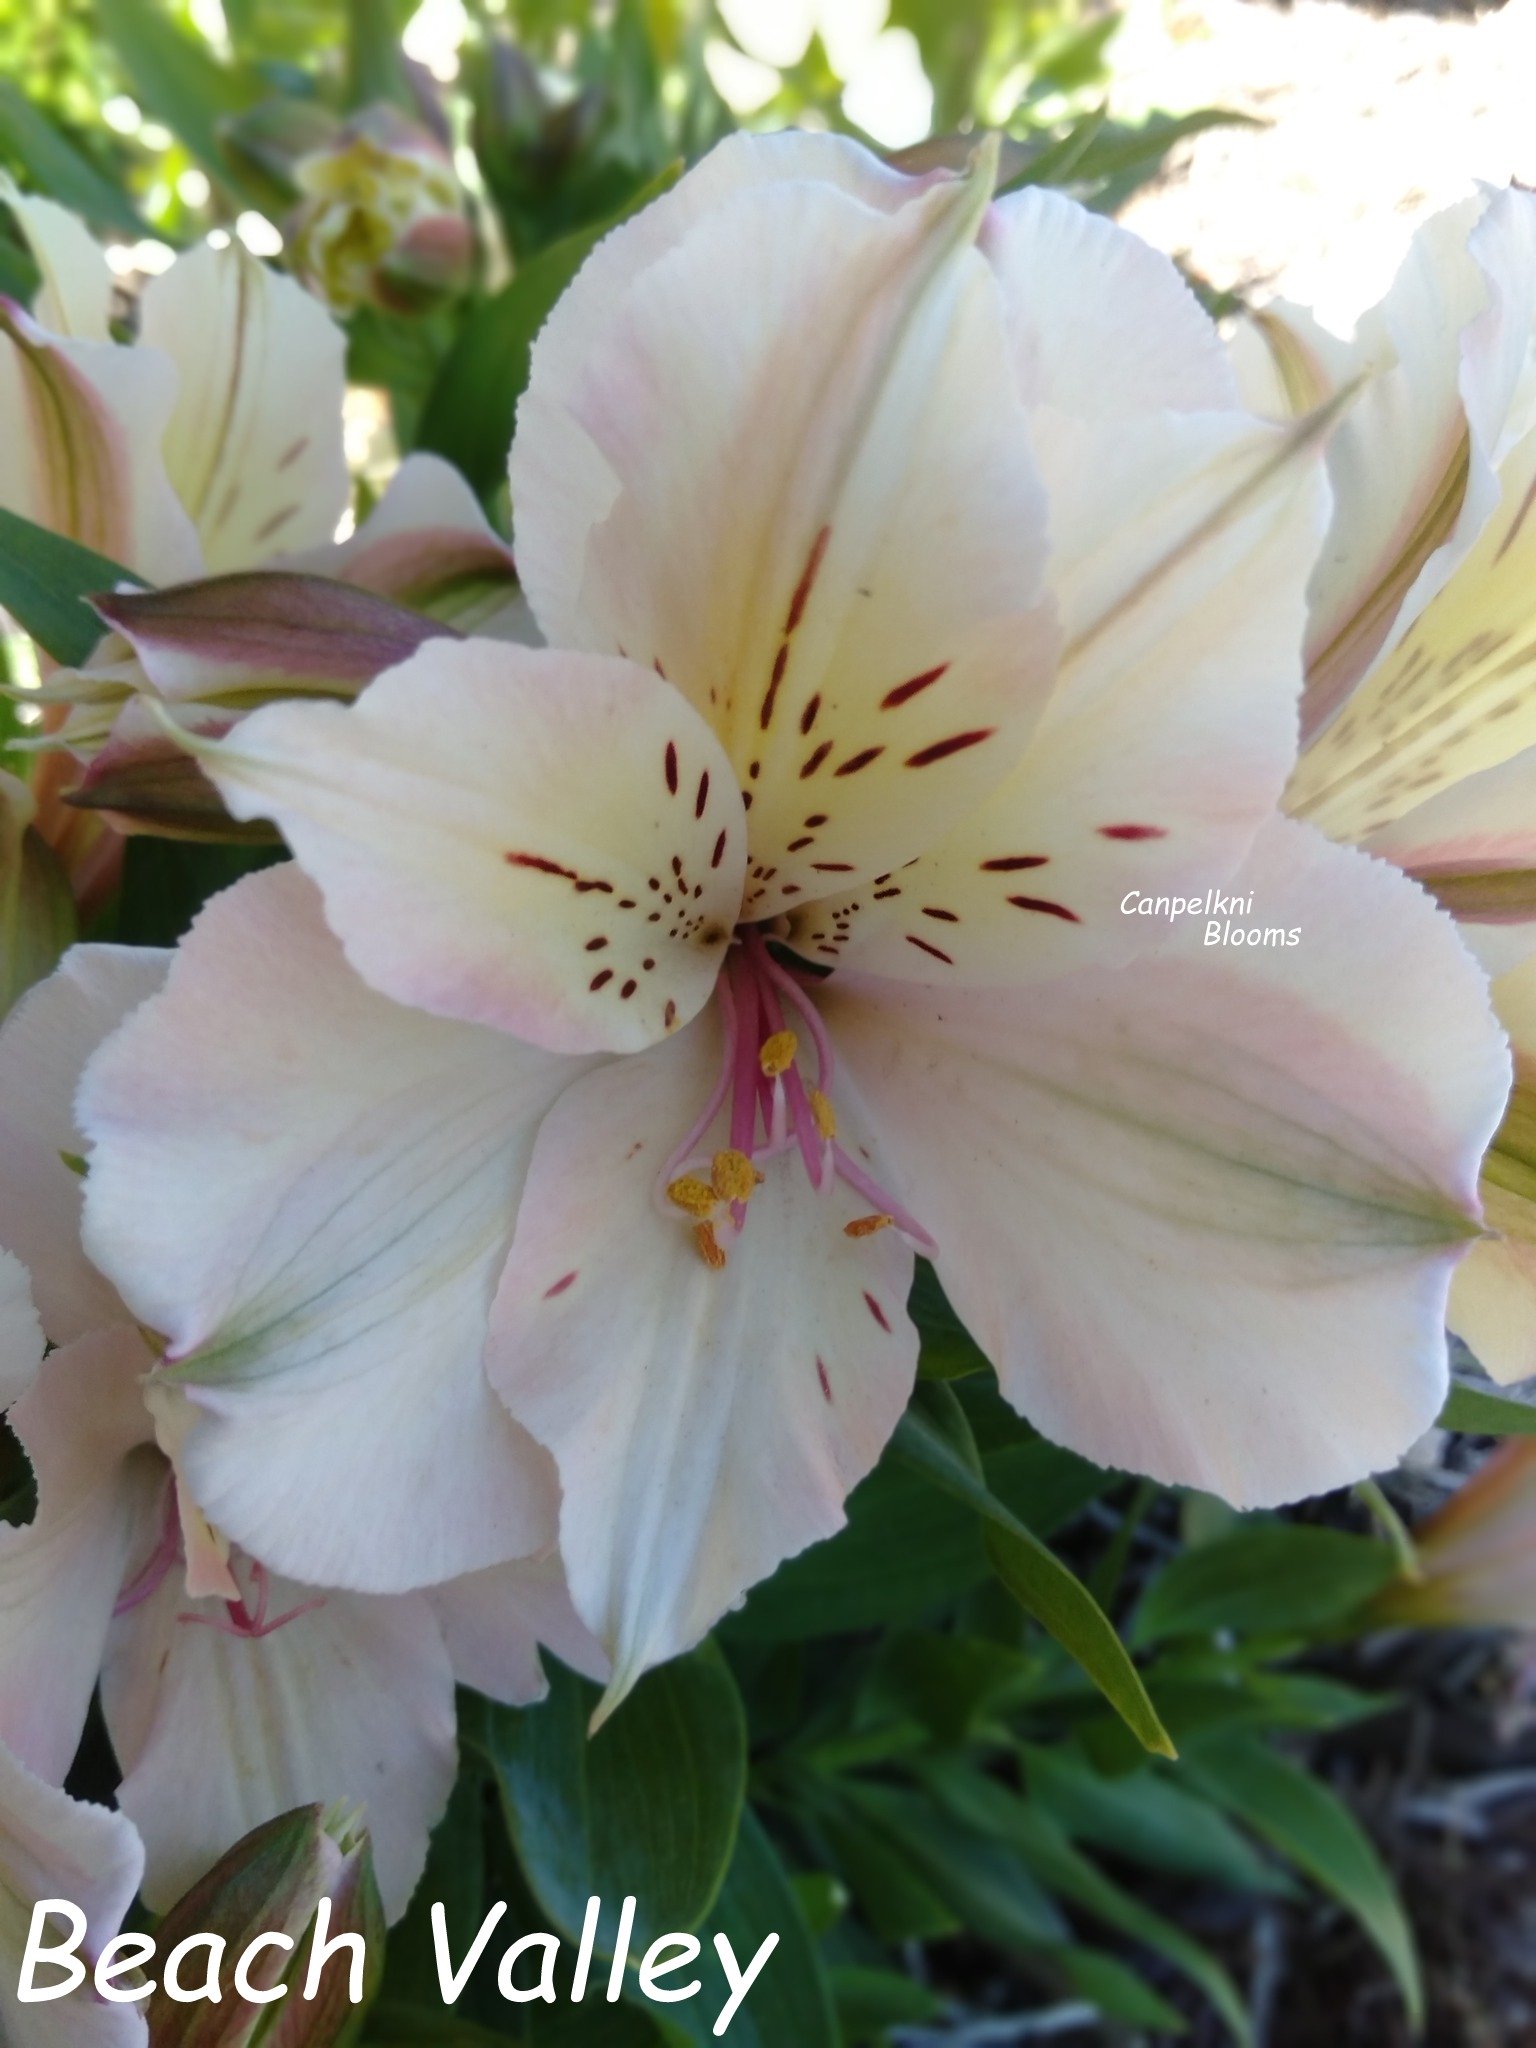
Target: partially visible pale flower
pixel 1477 1554
pixel 1419 716
pixel 769 927
pixel 211 445
pixel 231 1694
pixel 55 1847
pixel 382 219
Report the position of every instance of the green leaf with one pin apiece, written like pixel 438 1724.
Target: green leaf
pixel 791 2000
pixel 648 1806
pixel 908 1549
pixel 1268 1578
pixel 1481 1413
pixel 870 2001
pixel 1037 1579
pixel 54 166
pixel 1150 1819
pixel 43 581
pixel 392 2025
pixel 1118 1992
pixel 1065 1871
pixel 1308 1824
pixel 980 1879
pixel 176 79
pixel 470 410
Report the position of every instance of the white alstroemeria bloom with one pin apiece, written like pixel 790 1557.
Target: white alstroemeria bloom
pixel 231 1694
pixel 210 445
pixel 768 928
pixel 55 1847
pixel 1420 716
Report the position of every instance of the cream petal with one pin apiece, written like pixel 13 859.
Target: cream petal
pixel 495 1621
pixel 310 1191
pixel 44 1046
pixel 1452 698
pixel 706 1424
pixel 254 445
pixel 55 1847
pixel 1493 1296
pixel 545 842
pixel 562 487
pixel 1202 1212
pixel 826 527
pixel 74 297
pixel 21 1334
pixel 1101 325
pixel 217 1733
pixel 1183 542
pixel 101 1500
pixel 82 423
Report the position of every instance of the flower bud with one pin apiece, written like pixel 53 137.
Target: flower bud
pixel 1477 1554
pixel 273 1882
pixel 37 911
pixel 381 218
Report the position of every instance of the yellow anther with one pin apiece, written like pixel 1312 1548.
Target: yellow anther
pixel 866 1226
pixel 696 1197
pixel 709 1247
pixel 824 1113
pixel 778 1054
pixel 734 1177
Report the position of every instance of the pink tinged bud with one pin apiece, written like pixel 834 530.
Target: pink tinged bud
pixel 37 910
pixel 1477 1554
pixel 148 784
pixel 261 635
pixel 432 259
pixel 305 1880
pixel 381 218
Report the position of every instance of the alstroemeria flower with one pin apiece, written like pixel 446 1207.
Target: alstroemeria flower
pixel 55 1847
pixel 1419 715
pixel 231 1694
pixel 769 928
pixel 210 445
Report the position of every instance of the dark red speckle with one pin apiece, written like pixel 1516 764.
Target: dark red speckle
pixel 955 744
pixel 821 1374
pixel 877 1312
pixel 802 594
pixel 1046 907
pixel 903 692
pixel 565 1280
pixel 1133 832
pixel 672 767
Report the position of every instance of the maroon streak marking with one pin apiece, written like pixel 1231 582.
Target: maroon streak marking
pixel 955 744
pixel 909 689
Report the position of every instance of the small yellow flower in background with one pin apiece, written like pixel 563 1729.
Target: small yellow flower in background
pixel 382 219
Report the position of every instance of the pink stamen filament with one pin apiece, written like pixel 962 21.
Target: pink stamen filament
pixel 772 1111
pixel 161 1562
pixel 242 1622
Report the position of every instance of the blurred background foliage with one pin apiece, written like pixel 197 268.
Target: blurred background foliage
pixel 934 1753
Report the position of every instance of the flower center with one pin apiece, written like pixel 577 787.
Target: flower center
pixel 770 1021
pixel 248 1615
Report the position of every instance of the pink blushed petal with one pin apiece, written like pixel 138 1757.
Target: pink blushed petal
pixel 508 836
pixel 1202 1212
pixel 706 1422
pixel 352 1700
pixel 55 1847
pixel 310 1191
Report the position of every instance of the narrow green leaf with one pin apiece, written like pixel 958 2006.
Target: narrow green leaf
pixel 43 581
pixel 375 61
pixel 1267 1578
pixel 1064 1870
pixel 1481 1413
pixel 471 407
pixel 1148 1818
pixel 53 165
pixel 1039 1581
pixel 870 2001
pixel 1118 1992
pixel 176 79
pixel 1310 1825
pixel 647 1806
